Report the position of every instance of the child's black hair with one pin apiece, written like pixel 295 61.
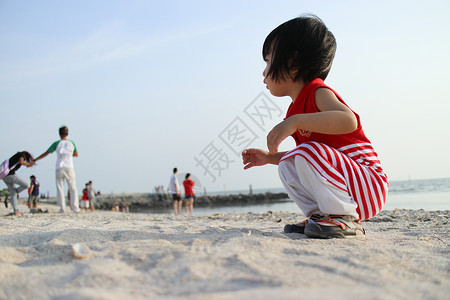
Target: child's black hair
pixel 304 46
pixel 27 156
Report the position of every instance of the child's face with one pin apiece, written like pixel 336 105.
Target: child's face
pixel 277 88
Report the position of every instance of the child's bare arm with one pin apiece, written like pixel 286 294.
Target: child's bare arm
pixel 259 157
pixel 334 118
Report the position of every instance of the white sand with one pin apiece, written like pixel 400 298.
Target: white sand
pixel 232 256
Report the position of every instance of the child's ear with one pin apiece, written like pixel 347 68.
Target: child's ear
pixel 293 74
pixel 292 66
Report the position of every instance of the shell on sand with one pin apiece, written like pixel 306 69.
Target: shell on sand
pixel 80 250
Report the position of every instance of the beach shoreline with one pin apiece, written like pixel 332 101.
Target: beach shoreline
pixel 220 256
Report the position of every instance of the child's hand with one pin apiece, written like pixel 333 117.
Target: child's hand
pixel 279 133
pixel 254 157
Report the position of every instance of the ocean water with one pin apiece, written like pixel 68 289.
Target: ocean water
pixel 429 194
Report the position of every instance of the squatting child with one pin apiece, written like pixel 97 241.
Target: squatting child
pixel 334 174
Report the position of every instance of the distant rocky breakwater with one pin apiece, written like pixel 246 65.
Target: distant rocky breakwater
pixel 137 202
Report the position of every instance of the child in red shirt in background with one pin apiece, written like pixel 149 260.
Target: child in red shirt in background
pixel 84 205
pixel 189 194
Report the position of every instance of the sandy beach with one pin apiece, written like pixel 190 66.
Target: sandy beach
pixel 223 256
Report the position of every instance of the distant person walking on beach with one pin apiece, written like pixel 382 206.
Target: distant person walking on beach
pixel 91 195
pixel 65 150
pixel 84 204
pixel 334 174
pixel 11 179
pixel 189 194
pixel 174 188
pixel 34 192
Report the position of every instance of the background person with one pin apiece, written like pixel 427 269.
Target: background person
pixel 84 204
pixel 91 195
pixel 34 192
pixel 65 150
pixel 174 188
pixel 189 194
pixel 19 159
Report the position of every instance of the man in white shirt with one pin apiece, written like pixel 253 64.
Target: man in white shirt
pixel 65 150
pixel 174 188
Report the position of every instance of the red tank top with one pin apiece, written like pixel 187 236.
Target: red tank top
pixel 306 103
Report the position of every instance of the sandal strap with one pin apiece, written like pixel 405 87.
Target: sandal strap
pixel 312 218
pixel 330 220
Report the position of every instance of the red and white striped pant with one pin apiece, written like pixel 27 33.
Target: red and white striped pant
pixel 328 181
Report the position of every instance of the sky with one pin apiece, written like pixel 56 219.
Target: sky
pixel 146 86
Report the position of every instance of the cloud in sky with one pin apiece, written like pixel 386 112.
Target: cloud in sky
pixel 107 43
